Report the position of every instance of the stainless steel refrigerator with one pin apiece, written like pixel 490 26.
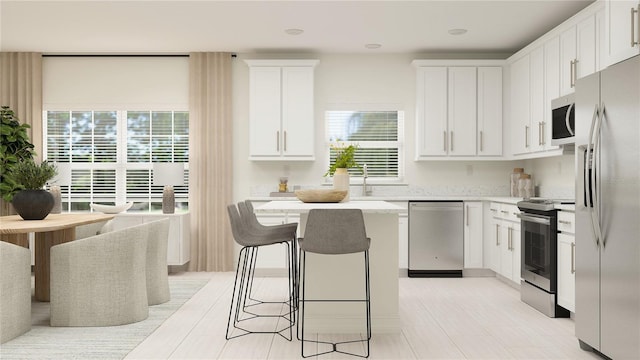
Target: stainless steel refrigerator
pixel 607 253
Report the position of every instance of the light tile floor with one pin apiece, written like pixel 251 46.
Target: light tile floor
pixel 466 318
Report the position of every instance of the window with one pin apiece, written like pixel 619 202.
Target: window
pixel 378 135
pixel 111 154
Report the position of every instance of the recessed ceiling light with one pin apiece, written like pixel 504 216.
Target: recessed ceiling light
pixel 294 31
pixel 373 46
pixel 457 31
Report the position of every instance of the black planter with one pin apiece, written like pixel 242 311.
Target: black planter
pixel 33 204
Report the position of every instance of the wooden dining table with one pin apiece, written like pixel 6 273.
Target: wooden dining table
pixel 53 230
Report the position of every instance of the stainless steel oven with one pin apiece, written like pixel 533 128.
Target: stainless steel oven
pixel 539 256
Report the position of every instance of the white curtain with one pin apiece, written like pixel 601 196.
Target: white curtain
pixel 210 161
pixel 21 90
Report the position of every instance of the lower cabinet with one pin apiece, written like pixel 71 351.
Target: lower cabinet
pixel 504 240
pixel 179 248
pixel 566 266
pixel 473 252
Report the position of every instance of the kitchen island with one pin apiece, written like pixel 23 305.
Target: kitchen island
pixel 342 276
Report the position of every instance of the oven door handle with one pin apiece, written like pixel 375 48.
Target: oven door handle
pixel 535 219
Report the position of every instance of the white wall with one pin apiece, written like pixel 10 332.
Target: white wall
pixel 362 80
pixel 554 176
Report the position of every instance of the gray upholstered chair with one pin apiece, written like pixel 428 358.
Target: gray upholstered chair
pixel 100 280
pixel 243 307
pixel 334 232
pixel 15 291
pixel 157 267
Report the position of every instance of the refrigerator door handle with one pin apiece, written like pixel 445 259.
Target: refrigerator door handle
pixel 596 202
pixel 589 174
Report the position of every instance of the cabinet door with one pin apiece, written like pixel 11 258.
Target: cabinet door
pixel 622 30
pixel 516 242
pixel 586 47
pixel 496 246
pixel 264 111
pixel 551 86
pixel 566 272
pixel 506 253
pixel 297 137
pixel 567 58
pixel 432 111
pixel 489 111
pixel 536 85
pixel 462 111
pixel 403 242
pixel 601 39
pixel 520 115
pixel 473 235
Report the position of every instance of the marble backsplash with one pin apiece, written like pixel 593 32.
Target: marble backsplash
pixel 552 192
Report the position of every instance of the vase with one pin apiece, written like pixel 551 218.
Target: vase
pixel 33 204
pixel 341 181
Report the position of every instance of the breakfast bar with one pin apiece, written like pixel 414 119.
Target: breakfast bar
pixel 342 276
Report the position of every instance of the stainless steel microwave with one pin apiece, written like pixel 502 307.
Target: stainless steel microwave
pixel 563 120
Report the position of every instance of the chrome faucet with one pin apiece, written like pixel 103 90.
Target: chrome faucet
pixel 365 175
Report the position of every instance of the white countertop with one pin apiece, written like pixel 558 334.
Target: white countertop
pixel 503 199
pixel 297 206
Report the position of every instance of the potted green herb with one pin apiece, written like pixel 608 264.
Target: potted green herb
pixel 33 202
pixel 345 158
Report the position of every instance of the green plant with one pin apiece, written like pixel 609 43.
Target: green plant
pixel 14 147
pixel 345 158
pixel 32 176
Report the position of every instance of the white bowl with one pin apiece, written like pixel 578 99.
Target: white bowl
pixel 111 209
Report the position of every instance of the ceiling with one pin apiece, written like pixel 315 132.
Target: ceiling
pixel 132 27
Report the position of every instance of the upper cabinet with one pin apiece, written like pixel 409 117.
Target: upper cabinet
pixel 459 109
pixel 281 111
pixel 622 30
pixel 547 69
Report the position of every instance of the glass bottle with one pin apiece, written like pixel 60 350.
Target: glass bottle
pixel 515 176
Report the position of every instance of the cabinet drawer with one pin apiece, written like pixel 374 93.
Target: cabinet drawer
pixel 566 222
pixel 509 212
pixel 494 208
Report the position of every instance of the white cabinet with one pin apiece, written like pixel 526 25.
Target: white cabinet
pixel 537 99
pixel 459 109
pixel 567 60
pixel 489 111
pixel 520 110
pixel 505 241
pixel 551 87
pixel 622 30
pixel 473 244
pixel 578 53
pixel 281 111
pixel 179 247
pixel 566 260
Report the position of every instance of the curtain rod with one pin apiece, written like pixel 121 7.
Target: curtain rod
pixel 233 55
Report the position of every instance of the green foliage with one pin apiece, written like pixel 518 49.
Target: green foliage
pixel 32 176
pixel 345 158
pixel 15 146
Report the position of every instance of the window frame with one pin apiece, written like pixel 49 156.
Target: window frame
pixel 399 144
pixel 152 201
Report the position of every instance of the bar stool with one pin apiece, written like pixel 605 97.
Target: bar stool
pixel 334 232
pixel 287 232
pixel 250 240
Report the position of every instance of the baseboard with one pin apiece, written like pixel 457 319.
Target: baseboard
pixel 478 273
pixel 508 282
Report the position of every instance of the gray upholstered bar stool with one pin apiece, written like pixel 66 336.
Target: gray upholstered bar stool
pixel 240 312
pixel 286 232
pixel 334 232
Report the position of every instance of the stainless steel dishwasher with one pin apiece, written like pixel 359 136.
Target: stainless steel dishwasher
pixel 436 238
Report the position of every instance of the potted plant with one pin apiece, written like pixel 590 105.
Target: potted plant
pixel 33 202
pixel 345 159
pixel 14 147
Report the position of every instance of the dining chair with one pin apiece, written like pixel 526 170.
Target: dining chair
pixel 100 280
pixel 15 291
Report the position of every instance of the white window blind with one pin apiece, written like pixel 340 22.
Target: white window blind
pixel 378 135
pixel 111 154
